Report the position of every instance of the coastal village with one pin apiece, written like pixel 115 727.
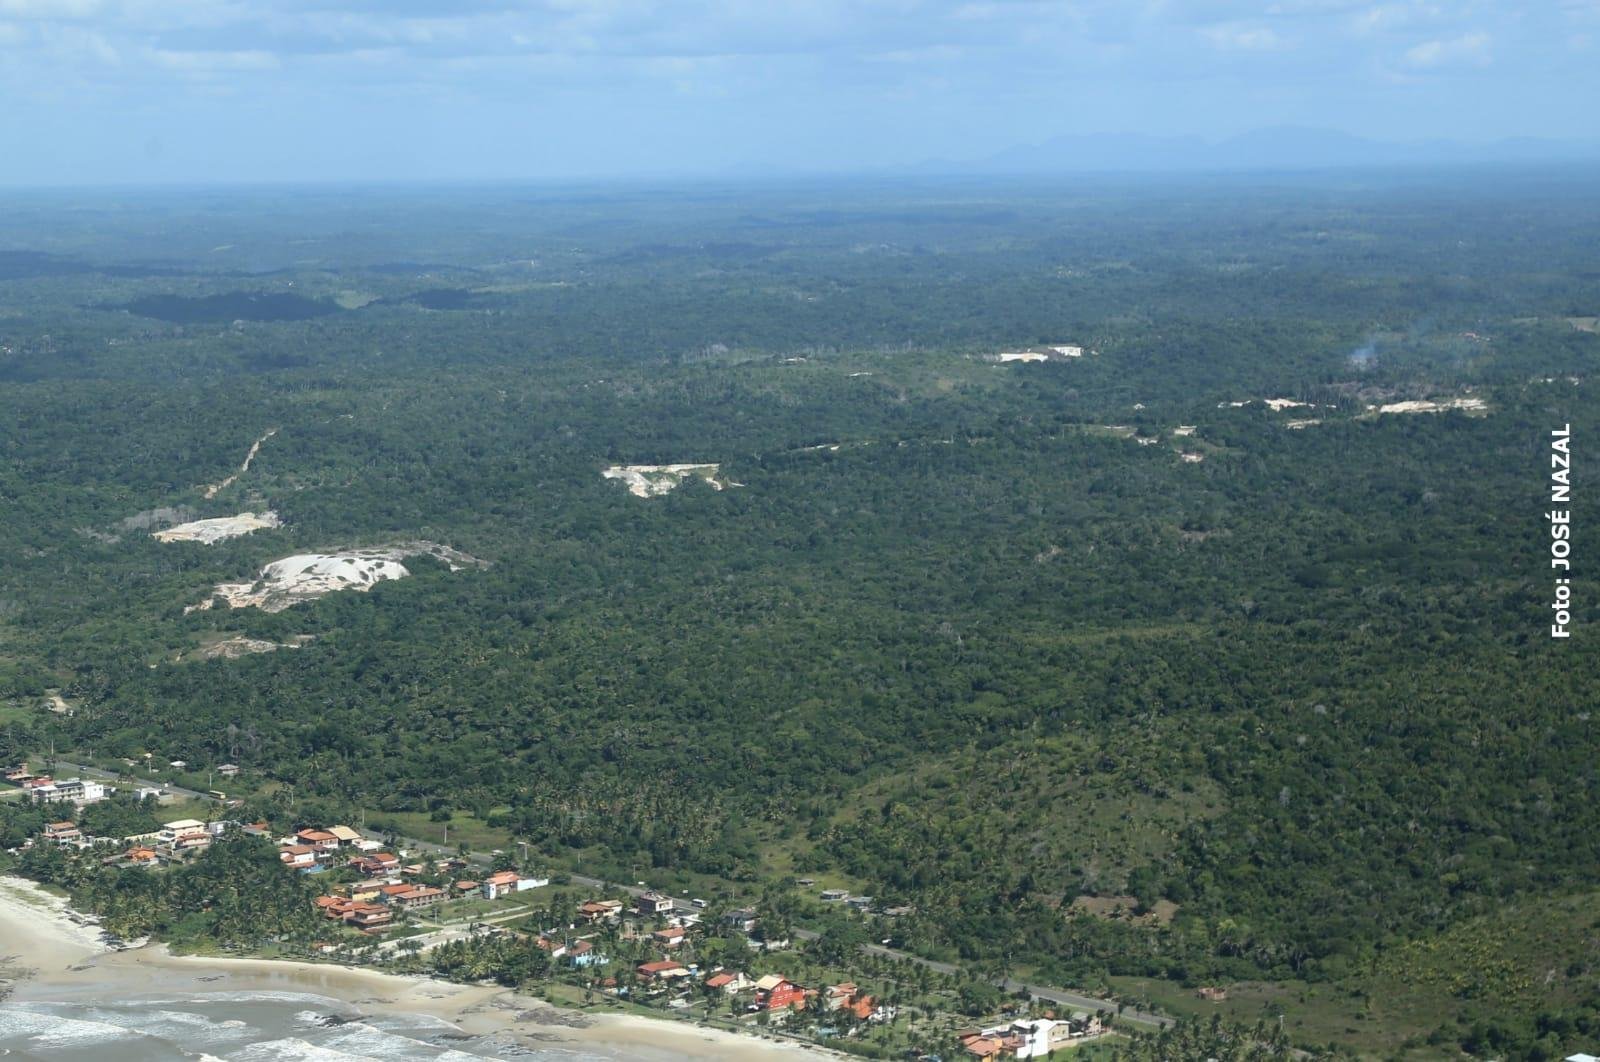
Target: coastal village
pixel 387 904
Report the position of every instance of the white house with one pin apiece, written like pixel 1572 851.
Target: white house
pixel 78 790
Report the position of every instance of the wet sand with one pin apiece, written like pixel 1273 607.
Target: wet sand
pixel 48 959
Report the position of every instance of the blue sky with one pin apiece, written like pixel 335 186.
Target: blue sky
pixel 111 91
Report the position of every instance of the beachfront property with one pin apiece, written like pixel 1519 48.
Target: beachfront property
pixel 776 992
pixel 1028 1037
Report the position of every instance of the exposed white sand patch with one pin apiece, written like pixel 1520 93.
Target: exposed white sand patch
pixel 1023 355
pixel 1184 430
pixel 1192 458
pixel 1146 440
pixel 218 528
pixel 1299 424
pixel 1435 405
pixel 855 374
pixel 237 646
pixel 1277 405
pixel 649 481
pixel 56 703
pixel 306 576
pixel 255 448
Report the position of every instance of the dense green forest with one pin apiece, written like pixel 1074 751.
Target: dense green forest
pixel 994 640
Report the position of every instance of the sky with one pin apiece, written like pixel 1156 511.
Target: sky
pixel 200 91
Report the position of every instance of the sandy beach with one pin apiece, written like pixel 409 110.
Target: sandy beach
pixel 48 961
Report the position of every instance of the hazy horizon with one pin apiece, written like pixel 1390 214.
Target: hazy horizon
pixel 206 91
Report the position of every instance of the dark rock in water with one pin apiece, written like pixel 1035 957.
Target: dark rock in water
pixel 333 1021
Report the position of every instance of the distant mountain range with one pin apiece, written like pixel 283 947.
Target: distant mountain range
pixel 1279 148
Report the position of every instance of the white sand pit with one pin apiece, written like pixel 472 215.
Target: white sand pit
pixel 307 576
pixel 218 528
pixel 1277 405
pixel 1192 458
pixel 650 481
pixel 1436 406
pixel 1184 430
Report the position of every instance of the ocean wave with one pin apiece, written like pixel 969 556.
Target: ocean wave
pixel 48 1029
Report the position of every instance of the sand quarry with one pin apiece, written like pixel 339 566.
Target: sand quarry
pixel 650 481
pixel 218 528
pixel 306 576
pixel 1470 405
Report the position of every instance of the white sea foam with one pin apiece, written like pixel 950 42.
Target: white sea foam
pixel 46 1029
pixel 293 1049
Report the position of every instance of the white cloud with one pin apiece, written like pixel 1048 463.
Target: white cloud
pixel 1469 49
pixel 214 62
pixel 49 9
pixel 1243 37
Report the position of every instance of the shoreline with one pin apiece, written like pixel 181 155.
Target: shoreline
pixel 45 957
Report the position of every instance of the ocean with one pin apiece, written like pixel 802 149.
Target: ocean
pixel 248 1027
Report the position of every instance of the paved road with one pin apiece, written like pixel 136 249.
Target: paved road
pixel 62 768
pixel 477 859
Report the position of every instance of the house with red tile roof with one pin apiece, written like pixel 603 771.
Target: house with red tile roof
pixel 774 992
pixel 661 971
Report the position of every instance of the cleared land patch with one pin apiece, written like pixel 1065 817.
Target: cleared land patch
pixel 218 528
pixel 649 481
pixel 307 576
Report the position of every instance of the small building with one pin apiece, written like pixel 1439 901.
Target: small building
pixel 344 834
pixel 321 840
pixel 582 953
pixel 298 856
pixel 368 916
pixel 729 982
pixel 847 996
pixel 365 890
pixel 654 903
pixel 376 863
pixel 411 897
pixel 228 770
pixel 76 791
pixel 140 856
pixel 501 883
pixel 774 992
pixel 743 919
pixel 601 911
pixel 184 833
pixel 670 937
pixel 833 895
pixel 63 832
pixel 661 971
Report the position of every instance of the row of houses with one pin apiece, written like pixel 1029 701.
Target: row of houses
pixel 172 841
pixel 1028 1037
pixel 774 992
